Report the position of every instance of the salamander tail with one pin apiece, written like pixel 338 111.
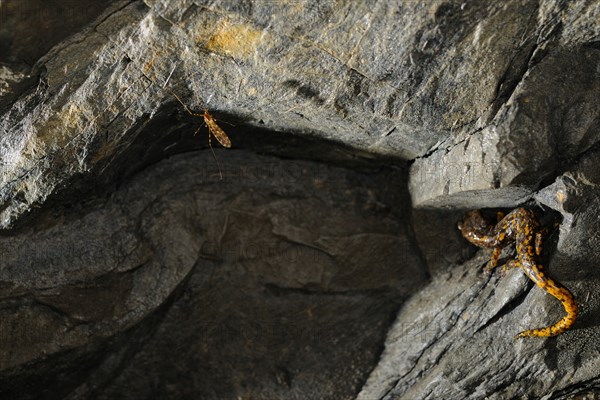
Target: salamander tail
pixel 568 301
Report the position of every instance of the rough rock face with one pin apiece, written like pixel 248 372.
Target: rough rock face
pixel 361 131
pixel 180 271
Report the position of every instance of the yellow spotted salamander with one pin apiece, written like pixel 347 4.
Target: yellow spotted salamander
pixel 520 227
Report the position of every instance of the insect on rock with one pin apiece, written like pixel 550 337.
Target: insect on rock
pixel 213 129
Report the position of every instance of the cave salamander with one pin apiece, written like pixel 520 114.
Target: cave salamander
pixel 520 227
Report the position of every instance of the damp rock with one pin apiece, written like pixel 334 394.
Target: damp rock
pixel 140 259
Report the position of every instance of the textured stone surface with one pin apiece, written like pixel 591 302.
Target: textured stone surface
pixel 396 79
pixel 454 339
pixel 128 269
pixel 281 269
pixel 546 113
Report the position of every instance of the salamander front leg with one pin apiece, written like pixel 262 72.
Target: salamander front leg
pixel 493 263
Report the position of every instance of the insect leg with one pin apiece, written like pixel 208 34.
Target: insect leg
pixel 214 155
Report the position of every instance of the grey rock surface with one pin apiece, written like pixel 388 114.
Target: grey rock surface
pixel 545 115
pixel 360 132
pixel 454 339
pixel 217 288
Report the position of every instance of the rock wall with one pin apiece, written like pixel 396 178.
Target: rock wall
pixel 319 256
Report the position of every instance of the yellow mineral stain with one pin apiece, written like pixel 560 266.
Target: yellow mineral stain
pixel 71 117
pixel 237 41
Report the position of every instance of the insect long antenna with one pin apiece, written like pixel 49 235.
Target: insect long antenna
pixel 213 128
pixel 183 104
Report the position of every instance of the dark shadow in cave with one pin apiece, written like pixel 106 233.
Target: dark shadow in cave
pixel 306 254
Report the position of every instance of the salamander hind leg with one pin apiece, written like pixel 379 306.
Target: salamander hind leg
pixel 538 243
pixel 510 264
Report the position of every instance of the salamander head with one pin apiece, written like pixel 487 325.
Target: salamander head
pixel 474 226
